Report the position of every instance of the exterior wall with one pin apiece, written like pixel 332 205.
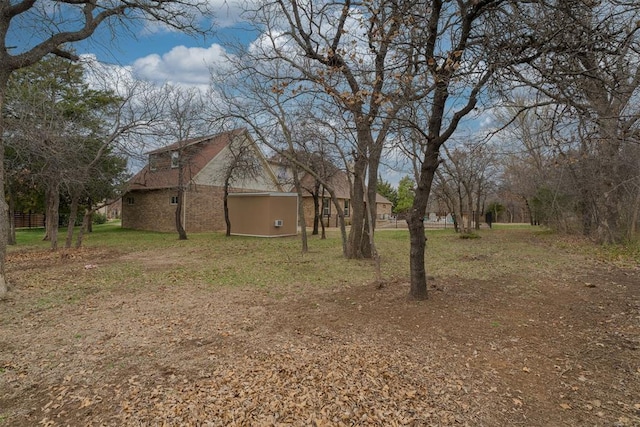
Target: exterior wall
pixel 383 210
pixel 204 210
pixel 255 214
pixel 151 210
pixel 331 221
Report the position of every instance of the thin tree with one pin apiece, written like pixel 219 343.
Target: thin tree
pixel 185 119
pixel 242 163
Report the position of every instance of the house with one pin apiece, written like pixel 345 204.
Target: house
pixel 152 195
pixel 338 180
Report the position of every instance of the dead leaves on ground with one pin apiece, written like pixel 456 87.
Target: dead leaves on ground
pixel 343 385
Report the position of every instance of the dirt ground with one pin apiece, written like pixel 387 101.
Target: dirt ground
pixel 558 349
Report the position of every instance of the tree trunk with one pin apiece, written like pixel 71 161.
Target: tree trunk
pixel 53 215
pixel 316 209
pixel 357 233
pixel 323 236
pixel 73 214
pixel 529 211
pixel 341 221
pixel 86 225
pixel 225 206
pixel 11 237
pixel 4 223
pixel 415 221
pixel 301 218
pixel 182 234
pixel 470 213
pixel 635 215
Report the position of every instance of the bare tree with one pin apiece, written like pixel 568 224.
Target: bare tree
pixel 468 169
pixel 185 118
pixel 345 51
pixel 241 163
pixel 451 51
pixel 67 22
pixel 588 68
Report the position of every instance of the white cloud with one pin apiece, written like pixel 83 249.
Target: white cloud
pixel 181 65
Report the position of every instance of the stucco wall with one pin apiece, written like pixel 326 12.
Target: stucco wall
pixel 255 214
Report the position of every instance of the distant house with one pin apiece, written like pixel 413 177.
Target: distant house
pixel 341 185
pixel 151 197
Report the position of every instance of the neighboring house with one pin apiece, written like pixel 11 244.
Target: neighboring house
pixel 341 185
pixel 151 198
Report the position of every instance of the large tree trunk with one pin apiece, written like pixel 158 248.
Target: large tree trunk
pixel 357 233
pixel 4 223
pixel 415 221
pixel 53 215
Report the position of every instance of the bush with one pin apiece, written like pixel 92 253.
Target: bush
pixel 99 218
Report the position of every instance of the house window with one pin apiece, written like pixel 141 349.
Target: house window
pixel 346 208
pixel 153 162
pixel 130 200
pixel 175 157
pixel 282 174
pixel 326 207
pixel 174 200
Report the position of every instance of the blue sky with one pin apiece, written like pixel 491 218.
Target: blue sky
pixel 151 51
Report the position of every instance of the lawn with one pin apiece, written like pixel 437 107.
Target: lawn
pixel 522 327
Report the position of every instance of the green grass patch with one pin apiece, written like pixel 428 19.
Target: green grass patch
pixel 130 260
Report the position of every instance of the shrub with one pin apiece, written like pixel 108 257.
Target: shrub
pixel 99 218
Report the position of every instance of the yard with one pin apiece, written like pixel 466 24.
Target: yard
pixel 522 327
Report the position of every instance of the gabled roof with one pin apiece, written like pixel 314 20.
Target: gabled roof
pixel 340 183
pixel 203 150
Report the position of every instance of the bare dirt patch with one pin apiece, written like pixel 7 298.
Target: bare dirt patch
pixel 559 347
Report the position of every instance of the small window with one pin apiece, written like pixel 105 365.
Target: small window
pixel 174 200
pixel 130 200
pixel 282 174
pixel 326 207
pixel 346 208
pixel 175 157
pixel 153 162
